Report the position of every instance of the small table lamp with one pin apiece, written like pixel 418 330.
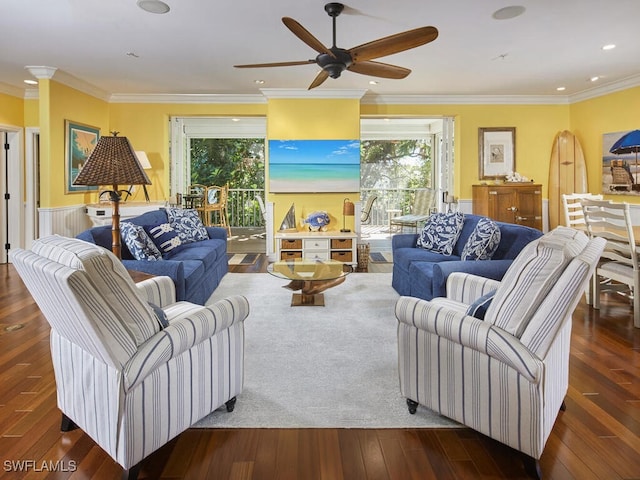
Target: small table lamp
pixel 113 162
pixel 347 210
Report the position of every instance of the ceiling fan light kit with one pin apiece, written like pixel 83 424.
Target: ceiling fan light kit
pixel 333 61
pixel 153 6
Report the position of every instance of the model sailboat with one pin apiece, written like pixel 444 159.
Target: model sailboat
pixel 289 221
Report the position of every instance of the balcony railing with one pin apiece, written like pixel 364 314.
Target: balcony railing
pixel 244 209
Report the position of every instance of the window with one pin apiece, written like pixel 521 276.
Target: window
pixel 220 151
pixel 399 155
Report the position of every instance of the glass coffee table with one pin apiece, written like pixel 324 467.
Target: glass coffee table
pixel 311 277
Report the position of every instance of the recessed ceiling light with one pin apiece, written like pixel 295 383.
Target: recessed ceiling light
pixel 507 13
pixel 259 82
pixel 594 78
pixel 31 82
pixel 235 119
pixel 611 46
pixel 153 6
pixel 561 89
pixel 373 82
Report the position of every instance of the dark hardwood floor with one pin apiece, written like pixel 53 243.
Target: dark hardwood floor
pixel 597 437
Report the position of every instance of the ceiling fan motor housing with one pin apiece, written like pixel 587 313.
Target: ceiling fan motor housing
pixel 334 66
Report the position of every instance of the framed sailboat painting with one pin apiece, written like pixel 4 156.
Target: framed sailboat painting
pixel 314 166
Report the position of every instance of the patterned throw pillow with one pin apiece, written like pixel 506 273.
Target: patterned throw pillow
pixel 164 236
pixel 483 241
pixel 441 232
pixel 188 224
pixel 138 242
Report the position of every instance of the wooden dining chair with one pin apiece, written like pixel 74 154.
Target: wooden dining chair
pixel 618 269
pixel 215 204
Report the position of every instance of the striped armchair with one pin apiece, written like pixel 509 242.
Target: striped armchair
pixel 133 368
pixel 505 376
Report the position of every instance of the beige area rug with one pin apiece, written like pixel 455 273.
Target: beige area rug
pixel 319 367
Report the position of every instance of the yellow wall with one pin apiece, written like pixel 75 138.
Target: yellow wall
pixel 590 119
pixel 31 113
pixel 313 119
pixel 147 128
pixel 58 103
pixel 11 111
pixel 536 127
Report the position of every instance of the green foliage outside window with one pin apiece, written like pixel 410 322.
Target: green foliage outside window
pixel 236 161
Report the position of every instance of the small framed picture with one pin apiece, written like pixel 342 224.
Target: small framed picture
pixel 79 142
pixel 497 151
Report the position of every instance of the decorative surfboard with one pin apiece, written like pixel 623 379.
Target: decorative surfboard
pixel 567 174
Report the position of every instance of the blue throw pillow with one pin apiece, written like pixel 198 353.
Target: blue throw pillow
pixel 441 232
pixel 160 315
pixel 138 242
pixel 483 241
pixel 164 236
pixel 188 225
pixel 479 308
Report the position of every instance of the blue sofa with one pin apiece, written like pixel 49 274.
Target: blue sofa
pixel 195 268
pixel 421 273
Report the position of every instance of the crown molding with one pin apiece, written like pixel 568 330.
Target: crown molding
pixel 465 100
pixel 304 93
pixel 629 82
pixel 185 98
pixel 85 87
pixel 41 71
pixel 11 90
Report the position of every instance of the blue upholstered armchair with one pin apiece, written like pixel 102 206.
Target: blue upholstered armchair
pixel 133 368
pixel 506 375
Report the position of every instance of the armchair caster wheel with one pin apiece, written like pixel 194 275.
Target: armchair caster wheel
pixel 231 404
pixel 413 406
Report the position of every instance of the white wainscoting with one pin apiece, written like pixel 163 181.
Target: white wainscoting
pixel 66 221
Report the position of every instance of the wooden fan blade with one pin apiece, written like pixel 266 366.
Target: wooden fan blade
pixel 276 64
pixel 319 80
pixel 394 44
pixel 304 35
pixel 379 69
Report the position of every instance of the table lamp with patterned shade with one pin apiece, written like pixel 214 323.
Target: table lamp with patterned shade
pixel 113 162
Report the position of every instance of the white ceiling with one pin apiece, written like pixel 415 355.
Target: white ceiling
pixel 192 49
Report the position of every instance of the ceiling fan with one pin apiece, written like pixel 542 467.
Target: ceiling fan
pixel 335 60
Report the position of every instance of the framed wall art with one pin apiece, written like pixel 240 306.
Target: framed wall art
pixel 620 163
pixel 312 166
pixel 497 152
pixel 79 142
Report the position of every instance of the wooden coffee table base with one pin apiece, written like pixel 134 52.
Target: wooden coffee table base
pixel 304 300
pixel 310 295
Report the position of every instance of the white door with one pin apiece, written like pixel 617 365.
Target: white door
pixel 11 181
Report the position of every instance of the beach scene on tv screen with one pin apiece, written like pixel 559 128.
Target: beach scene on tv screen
pixel 314 165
